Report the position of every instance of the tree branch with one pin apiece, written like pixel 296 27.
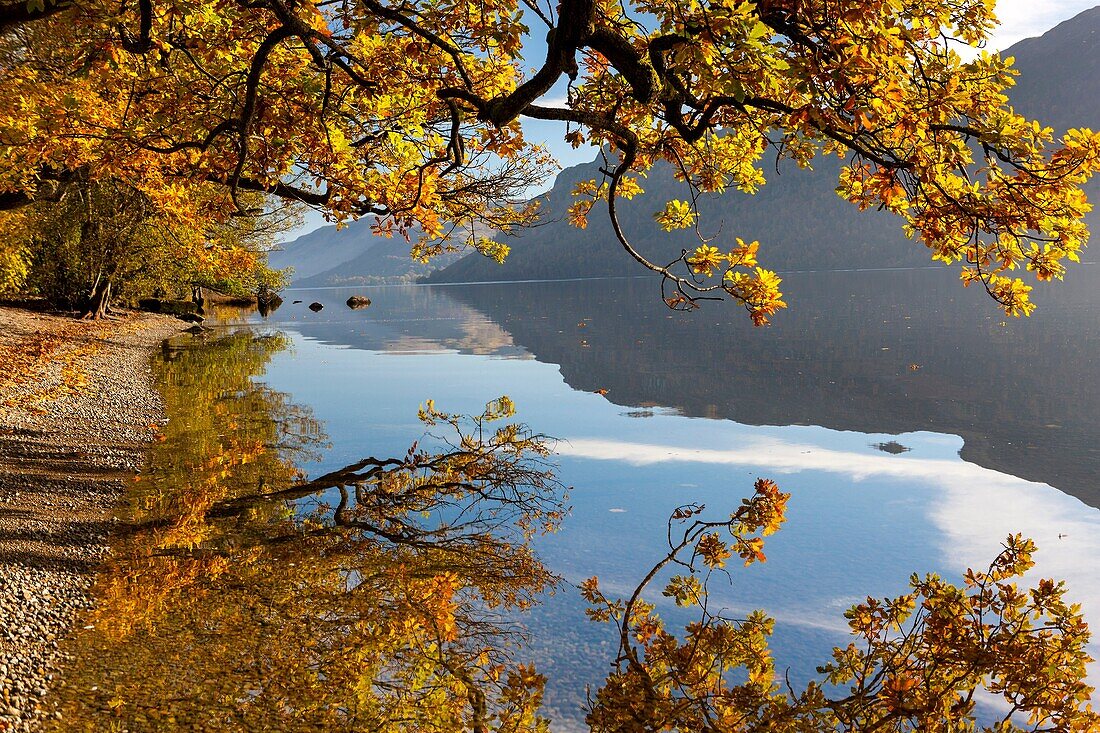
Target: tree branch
pixel 20 13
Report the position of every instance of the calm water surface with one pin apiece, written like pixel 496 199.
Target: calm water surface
pixel 913 426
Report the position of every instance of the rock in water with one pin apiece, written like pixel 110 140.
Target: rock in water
pixel 358 301
pixel 315 307
pixel 191 318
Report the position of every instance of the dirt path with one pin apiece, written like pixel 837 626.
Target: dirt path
pixel 77 408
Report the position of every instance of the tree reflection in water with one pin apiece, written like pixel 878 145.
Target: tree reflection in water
pixel 245 597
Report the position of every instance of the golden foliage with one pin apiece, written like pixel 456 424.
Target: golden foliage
pixel 412 113
pixel 920 661
pixel 244 597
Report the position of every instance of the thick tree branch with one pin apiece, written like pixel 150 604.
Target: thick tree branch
pixel 251 95
pixel 637 69
pixel 144 40
pixel 22 12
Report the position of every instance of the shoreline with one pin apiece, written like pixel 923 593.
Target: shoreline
pixel 78 409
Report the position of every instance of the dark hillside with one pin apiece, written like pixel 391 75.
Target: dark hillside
pixel 1059 80
pixel 799 220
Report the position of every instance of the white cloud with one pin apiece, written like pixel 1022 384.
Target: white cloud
pixel 975 510
pixel 782 456
pixel 1028 18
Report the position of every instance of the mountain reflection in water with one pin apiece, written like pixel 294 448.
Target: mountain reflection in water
pixel 876 352
pixel 904 357
pixel 859 401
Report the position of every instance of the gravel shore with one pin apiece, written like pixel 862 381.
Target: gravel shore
pixel 77 409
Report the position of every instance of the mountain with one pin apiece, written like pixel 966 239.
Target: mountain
pixel 381 261
pixel 800 221
pixel 322 249
pixel 353 255
pixel 1069 54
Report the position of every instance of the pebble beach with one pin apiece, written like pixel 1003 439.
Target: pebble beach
pixel 78 408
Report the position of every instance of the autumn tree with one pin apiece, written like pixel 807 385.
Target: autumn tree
pixel 14 259
pixel 922 661
pixel 411 112
pixel 103 239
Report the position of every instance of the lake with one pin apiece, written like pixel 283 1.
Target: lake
pixel 913 425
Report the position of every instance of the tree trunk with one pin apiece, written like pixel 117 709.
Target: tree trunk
pixel 196 297
pixel 98 301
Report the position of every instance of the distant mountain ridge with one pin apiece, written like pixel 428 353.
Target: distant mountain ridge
pixel 383 260
pixel 353 255
pixel 800 221
pixel 321 250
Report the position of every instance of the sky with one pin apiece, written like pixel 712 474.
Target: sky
pixel 1022 19
pixel 1019 19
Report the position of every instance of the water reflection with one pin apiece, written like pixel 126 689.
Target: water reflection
pixel 619 379
pixel 876 352
pixel 884 354
pixel 400 319
pixel 244 597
